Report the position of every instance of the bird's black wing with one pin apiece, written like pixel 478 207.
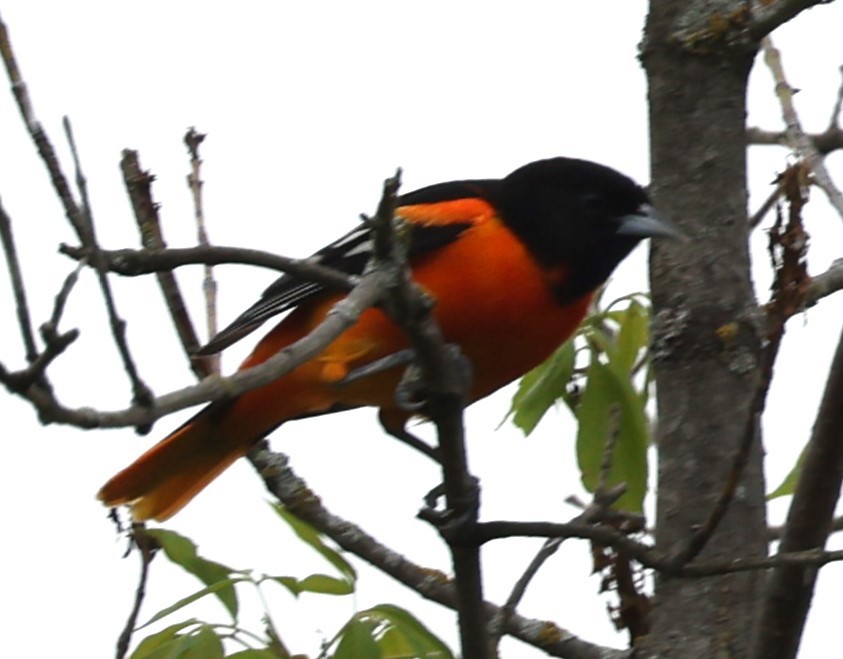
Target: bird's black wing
pixel 350 254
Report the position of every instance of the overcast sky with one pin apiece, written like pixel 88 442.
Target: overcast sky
pixel 308 107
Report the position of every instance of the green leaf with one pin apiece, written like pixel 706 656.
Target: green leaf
pixel 290 583
pixel 202 643
pixel 206 645
pixel 610 404
pixel 632 336
pixel 213 589
pixel 401 634
pixel 172 649
pixel 158 640
pixel 182 551
pixel 788 485
pixel 254 653
pixel 356 642
pixel 539 389
pixel 316 583
pixel 311 536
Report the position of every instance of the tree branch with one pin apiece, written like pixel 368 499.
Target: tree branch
pixel 649 556
pixel 141 394
pixel 147 546
pixel 342 316
pixel 36 132
pixel 79 218
pixel 790 589
pixel 776 532
pixel 767 16
pixel 443 387
pixel 193 140
pixel 294 493
pixel 831 139
pixel 798 140
pixel 18 288
pixel 596 510
pixel 134 262
pixel 139 187
pixel 825 284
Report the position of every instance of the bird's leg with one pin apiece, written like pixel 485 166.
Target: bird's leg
pixel 400 358
pixel 393 422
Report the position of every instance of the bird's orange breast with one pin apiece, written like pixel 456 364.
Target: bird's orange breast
pixel 492 300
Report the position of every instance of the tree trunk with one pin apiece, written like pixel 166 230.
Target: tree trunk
pixel 707 331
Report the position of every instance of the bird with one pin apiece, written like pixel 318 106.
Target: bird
pixel 511 264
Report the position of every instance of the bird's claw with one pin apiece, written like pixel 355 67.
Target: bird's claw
pixel 455 523
pixel 413 390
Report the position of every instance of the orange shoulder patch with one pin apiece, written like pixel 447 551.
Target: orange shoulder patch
pixel 471 210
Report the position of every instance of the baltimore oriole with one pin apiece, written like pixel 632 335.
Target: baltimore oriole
pixel 512 264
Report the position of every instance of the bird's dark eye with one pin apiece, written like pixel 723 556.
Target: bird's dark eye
pixel 593 202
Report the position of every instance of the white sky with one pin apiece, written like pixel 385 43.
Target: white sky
pixel 308 106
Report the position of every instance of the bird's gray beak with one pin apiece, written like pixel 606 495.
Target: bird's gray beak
pixel 648 223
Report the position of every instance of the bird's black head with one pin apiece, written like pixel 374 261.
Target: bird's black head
pixel 578 215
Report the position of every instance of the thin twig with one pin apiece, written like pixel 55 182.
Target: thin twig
pixel 29 380
pixel 834 120
pixel 600 504
pixel 39 137
pixel 192 140
pixel 830 140
pixel 647 555
pixel 147 546
pixel 54 342
pixel 341 317
pixel 139 186
pixel 603 498
pixel 134 262
pixel 141 394
pixel 824 284
pixel 64 293
pixel 797 138
pixel 18 288
pixel 758 216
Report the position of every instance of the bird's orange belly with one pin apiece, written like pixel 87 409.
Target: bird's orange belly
pixel 492 300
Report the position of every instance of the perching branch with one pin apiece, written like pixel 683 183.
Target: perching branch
pixel 343 315
pixel 294 493
pixel 441 386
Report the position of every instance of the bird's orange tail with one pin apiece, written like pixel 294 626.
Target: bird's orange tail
pixel 165 478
